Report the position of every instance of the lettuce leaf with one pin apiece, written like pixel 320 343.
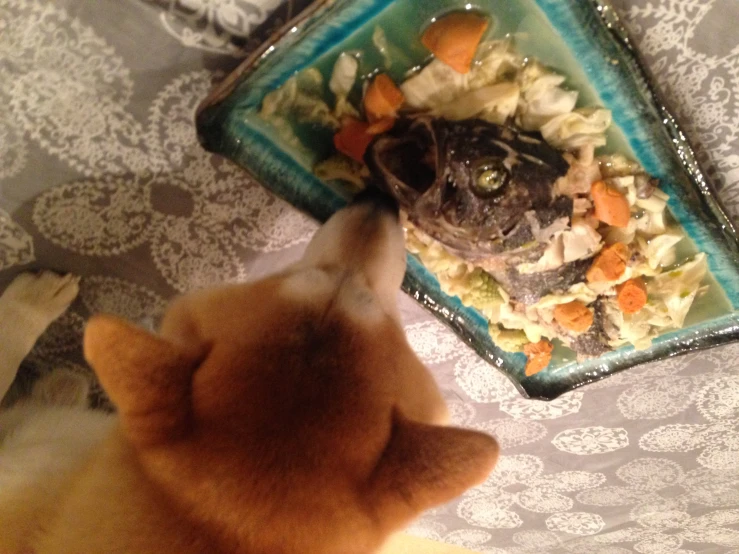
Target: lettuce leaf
pixel 494 103
pixel 542 99
pixel 584 126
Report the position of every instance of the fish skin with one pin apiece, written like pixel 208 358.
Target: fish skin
pixel 594 342
pixel 529 288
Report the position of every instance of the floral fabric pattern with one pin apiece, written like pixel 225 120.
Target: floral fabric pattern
pixel 102 176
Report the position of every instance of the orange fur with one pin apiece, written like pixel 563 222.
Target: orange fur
pixel 283 416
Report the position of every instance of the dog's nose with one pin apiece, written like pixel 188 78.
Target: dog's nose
pixel 378 199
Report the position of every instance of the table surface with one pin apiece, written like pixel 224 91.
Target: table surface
pixel 102 176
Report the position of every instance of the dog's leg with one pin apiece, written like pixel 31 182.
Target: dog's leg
pixel 27 307
pixel 61 387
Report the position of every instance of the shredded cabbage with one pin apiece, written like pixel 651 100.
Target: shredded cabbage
pixel 671 295
pixel 437 84
pixel 578 291
pixel 530 72
pixel 380 41
pixel 617 165
pixel 310 81
pixel 578 242
pixel 300 97
pixel 542 99
pixel 625 185
pixel 573 130
pixel 580 206
pixel 656 203
pixel 344 75
pixel 651 223
pixel 678 288
pixel 581 242
pixel 612 235
pixel 495 61
pixel 340 167
pixel 656 249
pixel 391 54
pixel 635 328
pixel 579 178
pixel 494 103
pixel 511 319
pixel 552 258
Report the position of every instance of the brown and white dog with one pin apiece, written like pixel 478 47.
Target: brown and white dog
pixel 284 416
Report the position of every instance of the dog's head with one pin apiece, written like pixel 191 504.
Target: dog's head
pixel 290 414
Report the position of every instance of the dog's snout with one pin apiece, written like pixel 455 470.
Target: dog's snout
pixel 364 239
pixel 377 198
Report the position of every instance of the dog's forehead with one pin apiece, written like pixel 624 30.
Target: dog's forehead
pixel 307 283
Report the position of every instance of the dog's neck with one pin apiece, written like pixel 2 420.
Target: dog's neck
pixel 113 501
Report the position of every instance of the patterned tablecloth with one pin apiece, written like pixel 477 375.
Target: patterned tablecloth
pixel 101 175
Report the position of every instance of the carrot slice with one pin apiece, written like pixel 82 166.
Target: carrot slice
pixel 611 207
pixel 539 355
pixel 574 316
pixel 383 98
pixel 381 125
pixel 353 138
pixel 631 295
pixel 610 264
pixel 454 38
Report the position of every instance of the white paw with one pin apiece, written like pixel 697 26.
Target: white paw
pixel 62 388
pixel 43 296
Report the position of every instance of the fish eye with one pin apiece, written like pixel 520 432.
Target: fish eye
pixel 489 177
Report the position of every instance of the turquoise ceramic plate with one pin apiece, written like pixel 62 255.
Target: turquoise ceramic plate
pixel 580 39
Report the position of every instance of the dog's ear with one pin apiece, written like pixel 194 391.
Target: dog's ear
pixel 427 465
pixel 148 378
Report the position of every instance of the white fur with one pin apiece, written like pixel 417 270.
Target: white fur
pixel 39 440
pixel 27 307
pixel 47 436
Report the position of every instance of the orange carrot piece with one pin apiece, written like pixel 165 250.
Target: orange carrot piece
pixel 381 125
pixel 611 207
pixel 383 98
pixel 539 355
pixel 610 264
pixel 574 316
pixel 454 38
pixel 632 295
pixel 353 138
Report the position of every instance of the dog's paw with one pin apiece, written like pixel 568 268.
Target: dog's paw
pixel 62 388
pixel 44 295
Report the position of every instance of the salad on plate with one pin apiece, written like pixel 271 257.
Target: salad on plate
pixel 503 193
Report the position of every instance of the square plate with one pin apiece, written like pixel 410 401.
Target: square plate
pixel 582 40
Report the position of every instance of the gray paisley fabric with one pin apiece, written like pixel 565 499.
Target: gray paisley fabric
pixel 101 175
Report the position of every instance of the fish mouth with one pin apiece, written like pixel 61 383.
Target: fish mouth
pixel 405 161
